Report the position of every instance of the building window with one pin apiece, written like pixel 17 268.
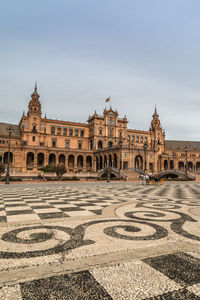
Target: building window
pixel 120 134
pixel 76 132
pixel 79 144
pixel 64 131
pixel 82 133
pixel 100 132
pixel 34 128
pixel 52 130
pixel 110 144
pixel 67 144
pixel 137 139
pixel 70 132
pixel 110 132
pixel 41 144
pixel 141 139
pixel 129 138
pixel 33 139
pixel 59 131
pixel 133 138
pixel 53 143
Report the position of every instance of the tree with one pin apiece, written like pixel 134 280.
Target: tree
pixel 60 170
pixel 48 169
pixel 2 169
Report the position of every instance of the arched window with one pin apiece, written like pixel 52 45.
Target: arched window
pixel 70 132
pixel 76 132
pixel 137 139
pixel 100 145
pixel 133 138
pixel 52 130
pixel 141 139
pixel 34 128
pixel 100 132
pixel 82 133
pixel 59 131
pixel 129 138
pixel 110 144
pixel 64 131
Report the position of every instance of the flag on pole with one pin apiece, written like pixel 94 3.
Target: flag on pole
pixel 108 99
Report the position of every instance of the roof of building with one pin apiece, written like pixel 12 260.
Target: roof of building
pixel 4 132
pixel 180 145
pixel 137 131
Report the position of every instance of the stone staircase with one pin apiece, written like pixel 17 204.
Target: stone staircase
pixel 132 175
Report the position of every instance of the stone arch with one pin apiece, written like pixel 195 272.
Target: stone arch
pixel 52 159
pixel 105 161
pixel 5 158
pixel 139 162
pixel 40 159
pixel 30 159
pixel 110 160
pixel 61 159
pixel 190 165
pixel 97 163
pixel 80 162
pixel 198 166
pixel 181 165
pixel 88 162
pixel 101 162
pixel 71 161
pixel 165 164
pixel 115 160
pixel 171 164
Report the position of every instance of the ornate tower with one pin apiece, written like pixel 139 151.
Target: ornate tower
pixel 157 134
pixel 34 107
pixel 155 123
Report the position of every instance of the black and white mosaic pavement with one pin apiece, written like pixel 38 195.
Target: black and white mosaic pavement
pixel 170 277
pixel 49 203
pixel 160 225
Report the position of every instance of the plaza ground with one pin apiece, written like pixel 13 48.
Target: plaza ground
pixel 100 241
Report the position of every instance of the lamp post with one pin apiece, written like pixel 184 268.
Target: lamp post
pixel 145 155
pixel 10 130
pixel 186 163
pixel 173 155
pixel 120 145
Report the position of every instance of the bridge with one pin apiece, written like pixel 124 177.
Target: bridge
pixel 178 173
pixel 114 172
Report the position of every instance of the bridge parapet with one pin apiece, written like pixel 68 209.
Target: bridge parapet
pixel 176 172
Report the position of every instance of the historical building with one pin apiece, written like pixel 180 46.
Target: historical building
pixel 105 140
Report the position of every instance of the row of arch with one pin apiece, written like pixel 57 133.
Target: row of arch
pixel 72 161
pixel 65 131
pixel 181 165
pixel 102 161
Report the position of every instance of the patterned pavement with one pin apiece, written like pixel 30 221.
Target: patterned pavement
pixel 100 241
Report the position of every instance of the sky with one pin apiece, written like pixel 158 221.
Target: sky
pixel 140 53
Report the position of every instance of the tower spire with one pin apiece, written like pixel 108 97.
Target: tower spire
pixel 36 86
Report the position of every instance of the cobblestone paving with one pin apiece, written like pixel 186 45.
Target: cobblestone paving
pixel 100 241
